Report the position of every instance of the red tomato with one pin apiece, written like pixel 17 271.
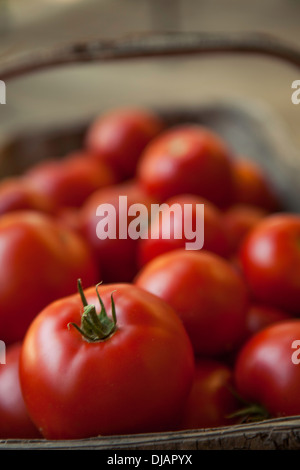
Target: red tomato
pixel 69 181
pixel 252 186
pixel 187 159
pixel 238 220
pixel 270 259
pixel 260 316
pixel 206 292
pixel 265 373
pixel 133 377
pixel 211 400
pixel 14 419
pixel 118 137
pixel 162 236
pixel 117 256
pixel 39 261
pixel 17 194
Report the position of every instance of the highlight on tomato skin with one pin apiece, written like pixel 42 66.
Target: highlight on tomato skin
pixel 134 380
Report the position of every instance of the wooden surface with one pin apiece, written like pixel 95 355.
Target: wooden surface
pixel 276 434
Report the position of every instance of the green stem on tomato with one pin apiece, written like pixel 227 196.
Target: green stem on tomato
pixel 95 327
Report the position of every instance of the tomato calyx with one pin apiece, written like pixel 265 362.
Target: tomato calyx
pixel 95 327
pixel 251 413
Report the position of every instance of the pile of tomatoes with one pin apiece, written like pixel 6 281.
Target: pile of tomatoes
pixel 117 335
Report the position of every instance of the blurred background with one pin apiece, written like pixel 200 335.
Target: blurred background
pixel 66 94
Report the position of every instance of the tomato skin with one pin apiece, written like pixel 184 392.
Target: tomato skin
pixel 116 256
pixel 69 181
pixel 118 137
pixel 260 316
pixel 40 260
pixel 14 419
pixel 135 381
pixel 252 186
pixel 211 400
pixel 207 293
pixel 265 373
pixel 216 238
pixel 16 194
pixel 270 260
pixel 187 159
pixel 239 220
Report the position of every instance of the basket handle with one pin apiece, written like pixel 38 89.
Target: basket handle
pixel 148 45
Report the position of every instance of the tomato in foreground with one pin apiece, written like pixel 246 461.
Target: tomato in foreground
pixel 207 293
pixel 130 374
pixel 212 400
pixel 40 260
pixel 14 419
pixel 265 372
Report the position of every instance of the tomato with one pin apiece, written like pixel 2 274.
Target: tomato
pixel 265 373
pixel 252 186
pixel 260 316
pixel 14 419
pixel 117 255
pixel 187 159
pixel 185 218
pixel 17 194
pixel 238 220
pixel 270 260
pixel 212 400
pixel 39 261
pixel 206 292
pixel 70 180
pixel 119 136
pixel 131 374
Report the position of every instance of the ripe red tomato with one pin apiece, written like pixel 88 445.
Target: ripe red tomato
pixel 17 194
pixel 265 373
pixel 270 260
pixel 39 261
pixel 117 256
pixel 252 186
pixel 162 236
pixel 70 180
pixel 14 419
pixel 132 377
pixel 238 220
pixel 118 137
pixel 187 159
pixel 207 293
pixel 211 400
